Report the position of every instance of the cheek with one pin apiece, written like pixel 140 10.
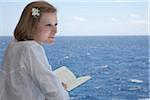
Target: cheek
pixel 42 30
pixel 41 33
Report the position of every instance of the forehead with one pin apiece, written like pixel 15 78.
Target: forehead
pixel 48 18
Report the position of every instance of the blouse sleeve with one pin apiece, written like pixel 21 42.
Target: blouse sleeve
pixel 42 75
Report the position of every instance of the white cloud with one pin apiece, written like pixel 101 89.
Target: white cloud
pixel 138 22
pixel 120 0
pixel 135 16
pixel 80 19
pixel 115 20
pixel 130 0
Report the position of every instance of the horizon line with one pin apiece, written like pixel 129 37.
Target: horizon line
pixel 117 1
pixel 82 35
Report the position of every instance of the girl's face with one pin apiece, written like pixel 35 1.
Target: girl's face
pixel 46 28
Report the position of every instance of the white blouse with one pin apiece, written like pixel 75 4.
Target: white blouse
pixel 28 75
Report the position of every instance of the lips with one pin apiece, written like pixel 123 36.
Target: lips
pixel 51 37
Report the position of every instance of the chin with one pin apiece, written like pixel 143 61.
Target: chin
pixel 50 41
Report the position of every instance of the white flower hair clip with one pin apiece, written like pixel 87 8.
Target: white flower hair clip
pixel 35 12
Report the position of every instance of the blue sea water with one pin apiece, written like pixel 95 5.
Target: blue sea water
pixel 118 65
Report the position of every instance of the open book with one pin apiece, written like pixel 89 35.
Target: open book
pixel 66 76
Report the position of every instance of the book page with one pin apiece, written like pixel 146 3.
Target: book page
pixel 64 74
pixel 79 81
pixel 67 77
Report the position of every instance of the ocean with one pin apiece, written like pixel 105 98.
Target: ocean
pixel 118 65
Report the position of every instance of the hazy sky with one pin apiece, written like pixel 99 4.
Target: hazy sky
pixel 86 17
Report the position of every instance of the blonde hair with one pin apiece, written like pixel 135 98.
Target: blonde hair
pixel 26 26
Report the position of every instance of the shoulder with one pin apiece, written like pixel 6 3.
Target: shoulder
pixel 29 44
pixel 32 46
pixel 26 46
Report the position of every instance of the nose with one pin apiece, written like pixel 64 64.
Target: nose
pixel 54 29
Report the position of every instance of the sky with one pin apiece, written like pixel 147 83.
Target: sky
pixel 86 17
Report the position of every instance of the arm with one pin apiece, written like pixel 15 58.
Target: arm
pixel 42 75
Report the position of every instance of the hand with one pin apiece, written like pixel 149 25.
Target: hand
pixel 64 85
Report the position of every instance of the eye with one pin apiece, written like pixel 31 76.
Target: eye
pixel 56 24
pixel 49 25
